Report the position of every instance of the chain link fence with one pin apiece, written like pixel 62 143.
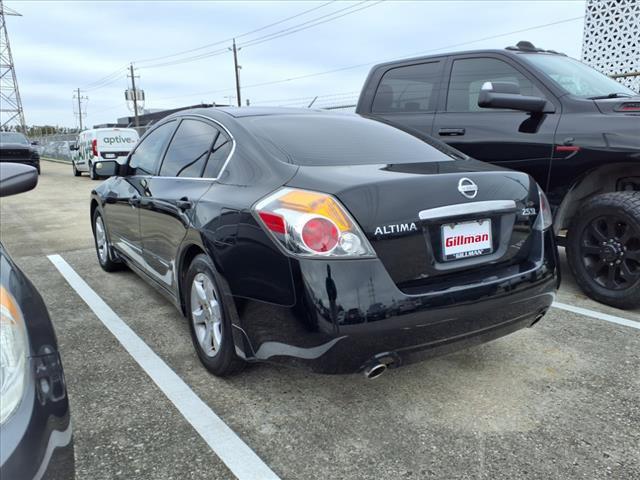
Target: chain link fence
pixel 55 145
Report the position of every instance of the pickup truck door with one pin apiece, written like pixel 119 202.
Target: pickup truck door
pixel 405 94
pixel 507 138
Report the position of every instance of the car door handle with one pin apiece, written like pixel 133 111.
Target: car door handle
pixel 451 132
pixel 184 204
pixel 134 201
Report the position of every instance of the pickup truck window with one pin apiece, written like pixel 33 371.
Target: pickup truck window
pixel 469 74
pixel 407 89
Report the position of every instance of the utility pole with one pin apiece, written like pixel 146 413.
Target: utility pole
pixel 80 98
pixel 135 96
pixel 237 68
pixel 11 112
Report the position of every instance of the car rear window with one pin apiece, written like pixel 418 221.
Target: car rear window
pixel 320 140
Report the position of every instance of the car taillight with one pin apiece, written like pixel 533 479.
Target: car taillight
pixel 14 366
pixel 94 147
pixel 545 217
pixel 311 224
pixel 629 107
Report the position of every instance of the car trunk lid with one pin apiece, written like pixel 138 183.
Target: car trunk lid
pixel 423 227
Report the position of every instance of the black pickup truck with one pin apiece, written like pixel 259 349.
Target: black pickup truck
pixel 574 130
pixel 16 148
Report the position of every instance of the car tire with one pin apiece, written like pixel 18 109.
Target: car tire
pixel 101 242
pixel 92 172
pixel 209 321
pixel 603 248
pixel 76 172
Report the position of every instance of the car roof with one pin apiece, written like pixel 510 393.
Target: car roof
pixel 108 129
pixel 238 112
pixel 224 114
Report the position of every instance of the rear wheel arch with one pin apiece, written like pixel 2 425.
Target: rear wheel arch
pixel 94 206
pixel 189 252
pixel 604 179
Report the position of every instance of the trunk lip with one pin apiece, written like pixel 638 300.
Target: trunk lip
pixel 470 208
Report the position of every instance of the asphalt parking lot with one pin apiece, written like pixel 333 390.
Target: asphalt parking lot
pixel 560 400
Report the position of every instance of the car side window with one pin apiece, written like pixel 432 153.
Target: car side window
pixel 189 149
pixel 469 74
pixel 145 157
pixel 408 89
pixel 219 155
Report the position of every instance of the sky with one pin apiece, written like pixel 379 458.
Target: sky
pixel 60 46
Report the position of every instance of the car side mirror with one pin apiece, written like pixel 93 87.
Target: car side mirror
pixel 34 143
pixel 16 178
pixel 107 168
pixel 73 147
pixel 507 95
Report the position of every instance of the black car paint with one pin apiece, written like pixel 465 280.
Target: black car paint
pixel 19 153
pixel 307 311
pixel 37 438
pixel 559 148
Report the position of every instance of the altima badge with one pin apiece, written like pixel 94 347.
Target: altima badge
pixel 400 228
pixel 467 187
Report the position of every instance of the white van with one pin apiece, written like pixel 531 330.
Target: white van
pixel 102 143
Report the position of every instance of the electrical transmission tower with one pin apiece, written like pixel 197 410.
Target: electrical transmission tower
pixel 11 113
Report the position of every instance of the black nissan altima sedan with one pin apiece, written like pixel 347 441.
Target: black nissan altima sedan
pixel 325 240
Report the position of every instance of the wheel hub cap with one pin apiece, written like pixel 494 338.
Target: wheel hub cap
pixel 101 240
pixel 206 314
pixel 610 251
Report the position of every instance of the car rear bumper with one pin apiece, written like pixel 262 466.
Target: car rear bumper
pixel 349 314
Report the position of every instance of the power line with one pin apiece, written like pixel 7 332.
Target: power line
pixel 301 99
pixel 226 40
pixel 359 65
pixel 294 29
pixel 105 78
pixel 271 36
pixel 106 84
pixel 215 53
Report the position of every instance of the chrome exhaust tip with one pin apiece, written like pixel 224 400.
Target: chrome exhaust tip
pixel 374 370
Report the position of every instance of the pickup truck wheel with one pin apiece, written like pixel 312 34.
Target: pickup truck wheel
pixel 208 319
pixel 103 248
pixel 76 172
pixel 603 248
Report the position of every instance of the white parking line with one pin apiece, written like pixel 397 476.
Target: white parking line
pixel 599 315
pixel 236 455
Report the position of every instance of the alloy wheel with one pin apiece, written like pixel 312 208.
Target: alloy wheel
pixel 610 251
pixel 206 314
pixel 101 240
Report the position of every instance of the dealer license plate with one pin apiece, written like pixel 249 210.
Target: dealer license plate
pixel 467 239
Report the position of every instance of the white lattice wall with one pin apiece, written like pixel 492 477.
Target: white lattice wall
pixel 611 40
